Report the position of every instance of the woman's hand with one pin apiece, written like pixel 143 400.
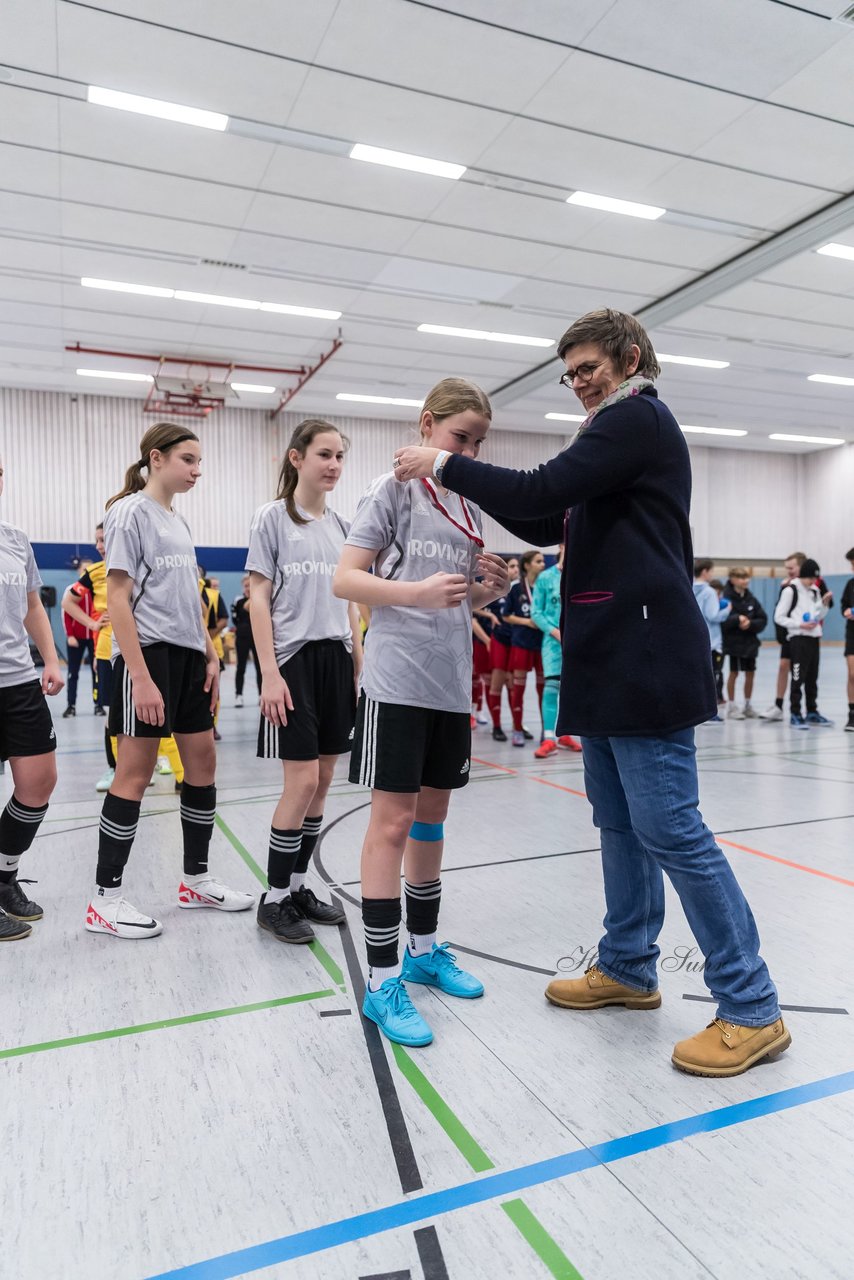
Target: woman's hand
pixel 276 700
pixel 414 462
pixel 147 701
pixel 493 570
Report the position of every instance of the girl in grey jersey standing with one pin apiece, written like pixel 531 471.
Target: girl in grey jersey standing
pixel 306 641
pixel 165 680
pixel 27 737
pixel 412 555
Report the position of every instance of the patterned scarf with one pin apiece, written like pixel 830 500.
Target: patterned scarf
pixel 631 387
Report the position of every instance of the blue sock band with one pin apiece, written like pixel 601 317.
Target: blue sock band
pixel 429 832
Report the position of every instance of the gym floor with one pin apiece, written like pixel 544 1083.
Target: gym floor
pixel 211 1104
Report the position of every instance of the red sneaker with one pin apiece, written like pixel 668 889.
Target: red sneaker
pixel 568 743
pixel 546 748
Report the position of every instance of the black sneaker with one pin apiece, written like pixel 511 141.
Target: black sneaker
pixel 284 920
pixel 11 930
pixel 498 734
pixel 529 737
pixel 99 711
pixel 849 728
pixel 69 711
pixel 312 909
pixel 15 902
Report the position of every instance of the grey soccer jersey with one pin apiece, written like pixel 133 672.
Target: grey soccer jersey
pixel 299 560
pixel 18 575
pixel 417 657
pixel 155 547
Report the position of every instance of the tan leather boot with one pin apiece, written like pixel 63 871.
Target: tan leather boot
pixel 726 1049
pixel 595 990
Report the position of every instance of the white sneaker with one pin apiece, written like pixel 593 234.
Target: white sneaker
pixel 117 917
pixel 773 713
pixel 104 783
pixel 163 765
pixel 734 712
pixel 213 893
pixel 238 700
pixel 482 719
pixel 749 713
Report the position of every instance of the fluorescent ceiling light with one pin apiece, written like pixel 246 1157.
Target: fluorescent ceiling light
pixel 212 299
pixel 565 417
pixel 694 360
pixel 629 207
pixel 714 431
pixel 451 331
pixel 410 404
pixel 121 286
pixel 832 379
pixel 118 377
pixel 402 160
pixel 252 386
pixel 837 250
pixel 284 309
pixel 216 300
pixel 154 107
pixel 808 439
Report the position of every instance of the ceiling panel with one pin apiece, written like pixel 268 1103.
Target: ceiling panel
pixel 29 34
pixel 438 53
pixel 139 57
pixel 708 191
pixel 806 150
pixel 824 85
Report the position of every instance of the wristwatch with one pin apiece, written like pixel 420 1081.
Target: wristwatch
pixel 441 458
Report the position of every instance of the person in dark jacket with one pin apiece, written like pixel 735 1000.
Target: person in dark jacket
pixel 636 680
pixel 741 631
pixel 847 607
pixel 243 642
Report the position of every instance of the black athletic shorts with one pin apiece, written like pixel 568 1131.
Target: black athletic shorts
pixel 180 676
pixel 26 727
pixel 741 664
pixel 397 748
pixel 849 640
pixel 321 679
pixel 785 651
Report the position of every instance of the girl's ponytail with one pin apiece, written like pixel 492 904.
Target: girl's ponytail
pixel 162 436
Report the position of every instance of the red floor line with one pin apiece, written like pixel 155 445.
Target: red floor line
pixel 532 777
pixel 743 848
pixel 786 862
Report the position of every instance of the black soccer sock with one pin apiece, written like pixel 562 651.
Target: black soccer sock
pixel 308 844
pixel 778 702
pixel 18 827
pixel 422 906
pixel 282 856
pixel 119 819
pixel 198 810
pixel 381 920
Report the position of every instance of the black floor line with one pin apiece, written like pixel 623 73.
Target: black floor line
pixel 335 1013
pixel 787 1008
pixel 426 1239
pixel 513 964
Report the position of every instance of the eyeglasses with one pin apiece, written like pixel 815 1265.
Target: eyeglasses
pixel 584 371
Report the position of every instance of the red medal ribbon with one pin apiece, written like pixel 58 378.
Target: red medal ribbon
pixel 471 532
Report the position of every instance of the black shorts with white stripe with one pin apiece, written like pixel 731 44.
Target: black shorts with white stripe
pixel 322 685
pixel 399 748
pixel 26 727
pixel 179 674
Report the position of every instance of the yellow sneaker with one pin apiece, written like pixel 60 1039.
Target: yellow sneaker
pixel 595 990
pixel 726 1049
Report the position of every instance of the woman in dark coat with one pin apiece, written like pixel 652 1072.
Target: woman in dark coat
pixel 636 680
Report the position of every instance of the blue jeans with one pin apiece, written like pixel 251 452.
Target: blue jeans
pixel 645 803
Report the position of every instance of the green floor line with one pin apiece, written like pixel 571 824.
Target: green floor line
pixel 165 1023
pixel 531 1229
pixel 317 948
pixel 546 1249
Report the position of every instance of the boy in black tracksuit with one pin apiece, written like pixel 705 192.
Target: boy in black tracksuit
pixel 741 640
pixel 847 606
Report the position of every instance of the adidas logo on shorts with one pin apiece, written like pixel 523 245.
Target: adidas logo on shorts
pixel 465 767
pixel 352 733
pixel 52 735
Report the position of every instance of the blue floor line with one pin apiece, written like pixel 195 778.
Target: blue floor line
pixel 431 1205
